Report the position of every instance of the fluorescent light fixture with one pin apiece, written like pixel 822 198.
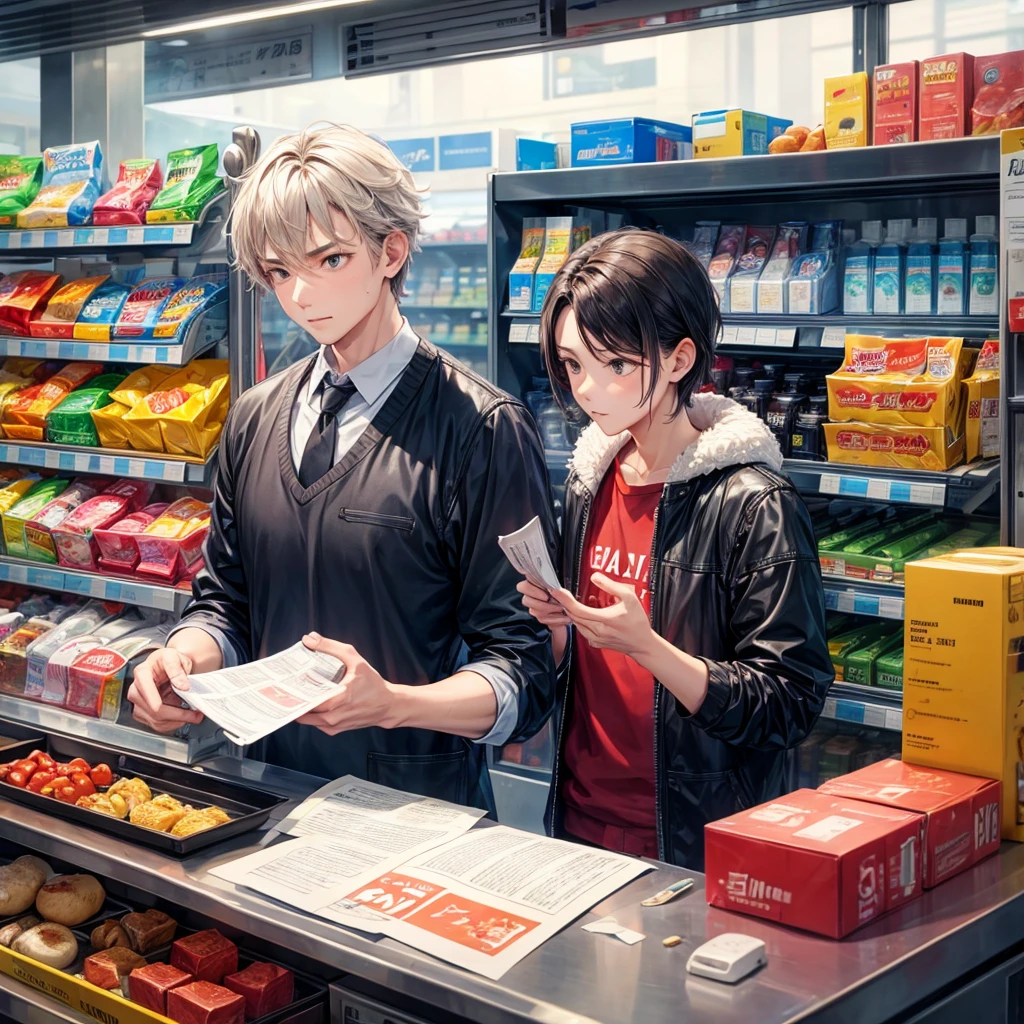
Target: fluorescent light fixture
pixel 241 17
pixel 175 42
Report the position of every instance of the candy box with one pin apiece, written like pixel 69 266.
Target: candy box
pixel 866 444
pixel 982 400
pixel 76 544
pixel 22 298
pixel 72 182
pixel 96 677
pixel 138 182
pixel 58 319
pixel 143 307
pixel 629 140
pixel 191 183
pixel 100 312
pixel 187 304
pixel 946 92
pixel 13 662
pixel 20 178
pixel 25 411
pixel 721 133
pixel 15 518
pixel 998 93
pixel 39 544
pixel 889 670
pixel 119 550
pixel 961 812
pixel 814 861
pixel 174 540
pixel 847 111
pixel 71 422
pixel 895 111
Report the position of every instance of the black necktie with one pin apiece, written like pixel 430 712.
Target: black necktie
pixel 318 456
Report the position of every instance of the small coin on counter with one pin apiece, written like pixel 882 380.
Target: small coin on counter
pixel 672 940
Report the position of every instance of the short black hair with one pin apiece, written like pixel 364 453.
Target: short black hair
pixel 637 294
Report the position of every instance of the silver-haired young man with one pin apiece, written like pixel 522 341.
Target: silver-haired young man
pixel 359 498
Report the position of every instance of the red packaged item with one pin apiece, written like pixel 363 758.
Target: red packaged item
pixel 25 411
pixel 39 541
pixel 998 93
pixel 23 297
pixel 138 182
pixel 206 955
pixel 961 811
pixel 173 541
pixel 814 861
pixel 75 537
pixel 118 549
pixel 148 986
pixel 946 89
pixel 895 102
pixel 264 987
pixel 204 1003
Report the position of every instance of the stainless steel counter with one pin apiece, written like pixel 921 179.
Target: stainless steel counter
pixel 576 977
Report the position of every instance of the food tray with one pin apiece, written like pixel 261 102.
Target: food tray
pixel 248 808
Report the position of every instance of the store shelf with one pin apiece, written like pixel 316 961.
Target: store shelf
pixel 108 462
pixel 88 584
pixel 962 489
pixel 931 325
pixel 864 705
pixel 884 600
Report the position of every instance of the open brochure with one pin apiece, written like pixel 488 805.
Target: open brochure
pixel 527 550
pixel 408 867
pixel 254 700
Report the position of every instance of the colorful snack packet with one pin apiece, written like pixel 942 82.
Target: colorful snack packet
pixel 22 298
pixel 72 180
pixel 134 388
pixel 14 492
pixel 13 656
pixel 110 429
pixel 191 183
pixel 188 303
pixel 138 182
pixel 96 678
pixel 143 307
pixel 119 550
pixel 173 541
pixel 24 412
pixel 100 312
pixel 20 178
pixel 39 544
pixel 71 422
pixel 58 319
pixel 76 544
pixel 15 518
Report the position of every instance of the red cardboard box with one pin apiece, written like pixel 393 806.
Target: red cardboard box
pixel 961 811
pixel 812 861
pixel 895 102
pixel 945 95
pixel 998 93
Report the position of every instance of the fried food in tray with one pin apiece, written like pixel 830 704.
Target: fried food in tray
pixel 161 813
pixel 114 805
pixel 132 791
pixel 198 821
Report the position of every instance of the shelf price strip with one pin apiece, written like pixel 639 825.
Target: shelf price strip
pixel 859 603
pixel 903 491
pixel 149 234
pixel 872 715
pixel 104 465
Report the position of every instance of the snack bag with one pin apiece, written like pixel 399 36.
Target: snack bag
pixel 15 519
pixel 730 243
pixel 71 422
pixel 119 550
pixel 982 400
pixel 138 182
pixel 24 412
pixel 191 183
pixel 110 429
pixel 76 544
pixel 72 180
pixel 58 320
pixel 20 178
pixel 188 303
pixel 143 307
pixel 14 492
pixel 899 382
pixel 39 544
pixel 100 312
pixel 173 541
pixel 998 93
pixel 22 298
pixel 134 388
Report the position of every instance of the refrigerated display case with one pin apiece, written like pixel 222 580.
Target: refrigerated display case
pixel 955 179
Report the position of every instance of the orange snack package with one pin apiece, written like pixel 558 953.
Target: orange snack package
pixel 25 411
pixel 58 321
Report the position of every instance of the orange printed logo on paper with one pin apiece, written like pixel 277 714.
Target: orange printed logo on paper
pixel 395 895
pixel 477 926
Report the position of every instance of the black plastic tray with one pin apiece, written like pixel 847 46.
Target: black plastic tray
pixel 248 808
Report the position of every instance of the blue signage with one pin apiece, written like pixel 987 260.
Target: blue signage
pixel 416 154
pixel 461 151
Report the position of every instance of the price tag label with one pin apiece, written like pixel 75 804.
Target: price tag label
pixel 136 236
pixel 894 719
pixel 829 484
pixel 519 334
pixel 729 335
pixel 846 602
pixel 746 336
pixel 766 336
pixel 50 579
pixel 16 573
pixel 14 239
pixel 850 711
pixel 833 337
pixel 829 710
pixel 30 456
pixel 32 240
pixel 874 715
pixel 99 352
pixel 82 463
pixel 79 584
pixel 163 598
pixel 117 236
pixel 182 232
pixel 100 236
pixel 173 471
pixel 148 354
pixel 52 459
pixel 879 489
pixel 53 350
pixel 107 465
pixel 136 468
pixel 66 238
pixel 66 461
pixel 890 607
pixel 786 337
pixel 928 494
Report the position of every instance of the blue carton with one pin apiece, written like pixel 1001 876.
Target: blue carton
pixel 536 155
pixel 629 140
pixel 722 133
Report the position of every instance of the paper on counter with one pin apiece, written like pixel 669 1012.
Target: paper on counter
pixel 254 700
pixel 609 926
pixel 527 550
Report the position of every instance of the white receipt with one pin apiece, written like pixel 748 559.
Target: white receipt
pixel 527 550
pixel 254 700
pixel 609 926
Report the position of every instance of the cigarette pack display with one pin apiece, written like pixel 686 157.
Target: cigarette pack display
pixel 812 285
pixel 816 862
pixel 895 111
pixel 562 236
pixel 946 92
pixel 790 242
pixel 742 288
pixel 961 811
pixel 206 955
pixel 520 278
pixel 731 241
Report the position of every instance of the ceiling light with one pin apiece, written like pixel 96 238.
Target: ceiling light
pixel 174 42
pixel 239 17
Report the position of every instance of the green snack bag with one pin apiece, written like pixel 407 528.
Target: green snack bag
pixel 889 670
pixel 908 543
pixel 20 178
pixel 859 664
pixel 967 538
pixel 836 541
pixel 71 422
pixel 14 520
pixel 890 532
pixel 191 183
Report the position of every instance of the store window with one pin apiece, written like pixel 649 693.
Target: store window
pixel 926 28
pixel 19 107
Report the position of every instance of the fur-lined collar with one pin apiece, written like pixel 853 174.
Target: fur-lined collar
pixel 730 436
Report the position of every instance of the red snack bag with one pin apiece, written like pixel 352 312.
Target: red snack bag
pixel 118 549
pixel 75 537
pixel 23 297
pixel 206 955
pixel 138 182
pixel 998 93
pixel 172 542
pixel 264 987
pixel 137 492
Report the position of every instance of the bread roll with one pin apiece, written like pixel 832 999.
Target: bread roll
pixel 10 932
pixel 50 944
pixel 20 882
pixel 70 899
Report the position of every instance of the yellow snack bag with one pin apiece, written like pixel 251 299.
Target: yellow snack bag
pixel 110 428
pixel 899 382
pixel 194 427
pixel 142 382
pixel 199 371
pixel 982 399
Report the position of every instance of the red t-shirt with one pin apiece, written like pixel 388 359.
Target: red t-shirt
pixel 608 788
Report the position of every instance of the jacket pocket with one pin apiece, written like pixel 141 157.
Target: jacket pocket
pixel 442 776
pixel 355 515
pixel 694 800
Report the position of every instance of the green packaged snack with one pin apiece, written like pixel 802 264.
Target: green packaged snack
pixel 191 183
pixel 71 422
pixel 20 178
pixel 859 664
pixel 837 541
pixel 909 543
pixel 15 519
pixel 969 537
pixel 890 532
pixel 839 646
pixel 889 670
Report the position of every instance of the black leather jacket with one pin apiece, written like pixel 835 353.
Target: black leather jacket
pixel 394 551
pixel 735 581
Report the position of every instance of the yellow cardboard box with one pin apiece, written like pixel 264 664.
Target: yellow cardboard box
pixel 982 402
pixel 963 670
pixel 847 111
pixel 869 444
